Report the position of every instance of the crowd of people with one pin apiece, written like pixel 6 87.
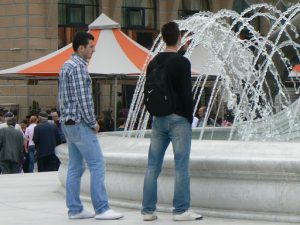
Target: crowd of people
pixel 41 133
pixel 30 143
pixel 201 119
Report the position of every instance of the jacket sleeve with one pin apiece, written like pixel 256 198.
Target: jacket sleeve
pixel 36 136
pixel 21 145
pixel 57 136
pixel 186 90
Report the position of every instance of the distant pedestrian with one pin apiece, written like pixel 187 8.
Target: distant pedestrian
pixel 46 138
pixel 7 116
pixel 1 117
pixel 11 147
pixel 25 164
pixel 121 124
pixel 30 146
pixel 56 121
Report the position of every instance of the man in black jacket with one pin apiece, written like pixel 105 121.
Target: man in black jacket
pixel 46 138
pixel 11 147
pixel 175 128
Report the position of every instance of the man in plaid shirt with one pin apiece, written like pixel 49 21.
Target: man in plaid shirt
pixel 80 127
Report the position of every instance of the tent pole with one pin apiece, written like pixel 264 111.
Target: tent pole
pixel 115 114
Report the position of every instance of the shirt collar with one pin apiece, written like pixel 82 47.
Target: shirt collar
pixel 79 58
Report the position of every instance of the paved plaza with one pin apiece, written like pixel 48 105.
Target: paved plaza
pixel 35 199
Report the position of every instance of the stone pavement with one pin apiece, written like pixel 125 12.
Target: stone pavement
pixel 35 199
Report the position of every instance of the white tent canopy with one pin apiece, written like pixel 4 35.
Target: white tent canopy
pixel 115 54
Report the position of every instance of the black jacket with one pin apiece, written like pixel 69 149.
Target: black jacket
pixel 46 138
pixel 11 144
pixel 178 69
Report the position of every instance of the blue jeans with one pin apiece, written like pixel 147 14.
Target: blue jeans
pixel 31 150
pixel 176 129
pixel 83 146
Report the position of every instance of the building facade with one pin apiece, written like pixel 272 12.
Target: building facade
pixel 30 29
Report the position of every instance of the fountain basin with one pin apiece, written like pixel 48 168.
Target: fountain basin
pixel 250 180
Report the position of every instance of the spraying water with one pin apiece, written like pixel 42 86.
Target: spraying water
pixel 246 75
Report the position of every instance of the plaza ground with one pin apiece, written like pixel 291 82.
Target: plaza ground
pixel 34 199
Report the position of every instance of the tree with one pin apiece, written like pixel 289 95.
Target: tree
pixel 35 108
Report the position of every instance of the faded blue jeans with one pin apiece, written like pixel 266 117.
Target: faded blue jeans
pixel 83 146
pixel 176 129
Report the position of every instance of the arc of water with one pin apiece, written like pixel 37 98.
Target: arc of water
pixel 203 25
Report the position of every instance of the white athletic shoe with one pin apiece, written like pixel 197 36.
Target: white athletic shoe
pixel 187 216
pixel 82 215
pixel 109 215
pixel 150 217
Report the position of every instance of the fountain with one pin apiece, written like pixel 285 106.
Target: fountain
pixel 250 170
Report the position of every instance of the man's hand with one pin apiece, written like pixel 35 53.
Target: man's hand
pixel 96 129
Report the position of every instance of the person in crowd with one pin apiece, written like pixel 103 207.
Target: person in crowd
pixel 48 111
pixel 25 164
pixel 24 125
pixel 30 145
pixel 1 121
pixel 8 115
pixel 175 128
pixel 46 138
pixel 200 120
pixel 108 121
pixel 55 118
pixel 80 127
pixel 121 124
pixel 101 124
pixel 2 117
pixel 228 118
pixel 11 147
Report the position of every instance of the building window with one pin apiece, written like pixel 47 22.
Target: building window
pixel 139 14
pixel 135 17
pixel 190 7
pixel 139 21
pixel 75 15
pixel 240 5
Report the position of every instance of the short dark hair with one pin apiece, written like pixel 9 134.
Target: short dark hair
pixel 81 38
pixel 170 33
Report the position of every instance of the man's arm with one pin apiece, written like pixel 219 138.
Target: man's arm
pixel 186 89
pixel 36 136
pixel 82 87
pixel 26 139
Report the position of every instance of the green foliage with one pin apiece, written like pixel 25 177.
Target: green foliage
pixel 34 109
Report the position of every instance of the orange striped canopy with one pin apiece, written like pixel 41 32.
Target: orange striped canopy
pixel 115 53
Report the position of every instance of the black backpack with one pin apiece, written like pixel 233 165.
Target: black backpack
pixel 159 95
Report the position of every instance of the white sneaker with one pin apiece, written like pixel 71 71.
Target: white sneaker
pixel 187 216
pixel 149 217
pixel 82 215
pixel 109 215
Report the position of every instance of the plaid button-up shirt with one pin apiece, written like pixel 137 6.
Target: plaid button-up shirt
pixel 75 92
